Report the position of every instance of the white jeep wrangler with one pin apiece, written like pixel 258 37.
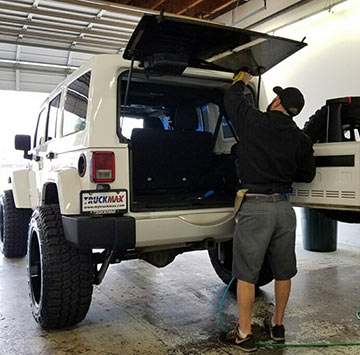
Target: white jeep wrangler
pixel 131 158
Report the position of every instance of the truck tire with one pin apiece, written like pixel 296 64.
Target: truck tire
pixel 14 224
pixel 60 277
pixel 224 270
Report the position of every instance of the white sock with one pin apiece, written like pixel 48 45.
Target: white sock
pixel 242 335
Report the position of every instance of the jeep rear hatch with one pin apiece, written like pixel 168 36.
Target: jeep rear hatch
pixel 170 44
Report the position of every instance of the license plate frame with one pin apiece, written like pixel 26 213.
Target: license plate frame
pixel 103 202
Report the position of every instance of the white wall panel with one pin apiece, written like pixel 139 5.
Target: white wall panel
pixel 253 11
pixel 255 15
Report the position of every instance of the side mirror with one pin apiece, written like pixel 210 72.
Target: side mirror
pixel 23 142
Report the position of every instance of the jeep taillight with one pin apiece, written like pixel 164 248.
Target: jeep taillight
pixel 102 166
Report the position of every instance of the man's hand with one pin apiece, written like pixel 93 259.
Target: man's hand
pixel 243 76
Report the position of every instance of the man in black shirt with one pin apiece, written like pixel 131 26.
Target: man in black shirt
pixel 271 154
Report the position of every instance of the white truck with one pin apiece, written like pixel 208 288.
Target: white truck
pixel 131 158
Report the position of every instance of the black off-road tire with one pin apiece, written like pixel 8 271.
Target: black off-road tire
pixel 14 225
pixel 60 277
pixel 224 270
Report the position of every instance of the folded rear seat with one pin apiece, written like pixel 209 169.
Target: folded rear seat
pixel 169 161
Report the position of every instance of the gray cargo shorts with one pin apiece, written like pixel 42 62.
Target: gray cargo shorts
pixel 265 228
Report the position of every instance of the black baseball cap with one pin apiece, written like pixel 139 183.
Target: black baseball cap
pixel 291 98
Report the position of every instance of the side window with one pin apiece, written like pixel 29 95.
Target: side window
pixel 40 128
pixel 76 103
pixel 205 118
pixel 226 129
pixel 210 115
pixel 53 115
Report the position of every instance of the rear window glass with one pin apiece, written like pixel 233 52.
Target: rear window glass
pixel 171 103
pixel 166 103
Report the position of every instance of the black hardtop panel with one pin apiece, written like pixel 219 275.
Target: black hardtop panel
pixel 208 45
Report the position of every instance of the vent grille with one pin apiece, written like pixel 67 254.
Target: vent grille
pixel 332 194
pixel 348 194
pixel 324 194
pixel 317 193
pixel 304 193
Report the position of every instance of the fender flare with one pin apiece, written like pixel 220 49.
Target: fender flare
pixel 24 188
pixel 68 186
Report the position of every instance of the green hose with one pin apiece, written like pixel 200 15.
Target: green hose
pixel 307 345
pixel 283 344
pixel 222 303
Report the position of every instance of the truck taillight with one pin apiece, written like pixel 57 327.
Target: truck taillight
pixel 102 166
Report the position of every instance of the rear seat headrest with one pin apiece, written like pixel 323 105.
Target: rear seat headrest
pixel 153 122
pixel 186 118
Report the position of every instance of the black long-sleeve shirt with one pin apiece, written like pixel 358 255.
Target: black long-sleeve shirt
pixel 272 149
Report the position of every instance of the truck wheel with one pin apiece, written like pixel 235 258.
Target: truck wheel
pixel 224 270
pixel 14 224
pixel 60 277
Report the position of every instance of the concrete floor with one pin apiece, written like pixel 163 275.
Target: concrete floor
pixel 139 309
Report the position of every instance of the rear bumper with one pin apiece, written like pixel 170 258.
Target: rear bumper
pixel 115 233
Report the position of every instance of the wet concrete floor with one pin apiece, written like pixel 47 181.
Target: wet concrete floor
pixel 140 309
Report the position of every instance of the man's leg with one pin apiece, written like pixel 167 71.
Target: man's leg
pixel 245 301
pixel 242 337
pixel 282 292
pixel 281 253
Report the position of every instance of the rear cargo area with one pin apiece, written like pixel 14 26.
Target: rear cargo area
pixel 172 126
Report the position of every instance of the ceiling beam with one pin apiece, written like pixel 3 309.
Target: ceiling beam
pixel 192 5
pixel 157 4
pixel 219 8
pixel 194 8
pixel 149 4
pixel 174 7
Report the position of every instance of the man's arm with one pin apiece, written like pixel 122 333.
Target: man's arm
pixel 237 106
pixel 306 164
pixel 315 127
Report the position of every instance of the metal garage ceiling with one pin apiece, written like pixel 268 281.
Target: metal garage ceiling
pixel 42 41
